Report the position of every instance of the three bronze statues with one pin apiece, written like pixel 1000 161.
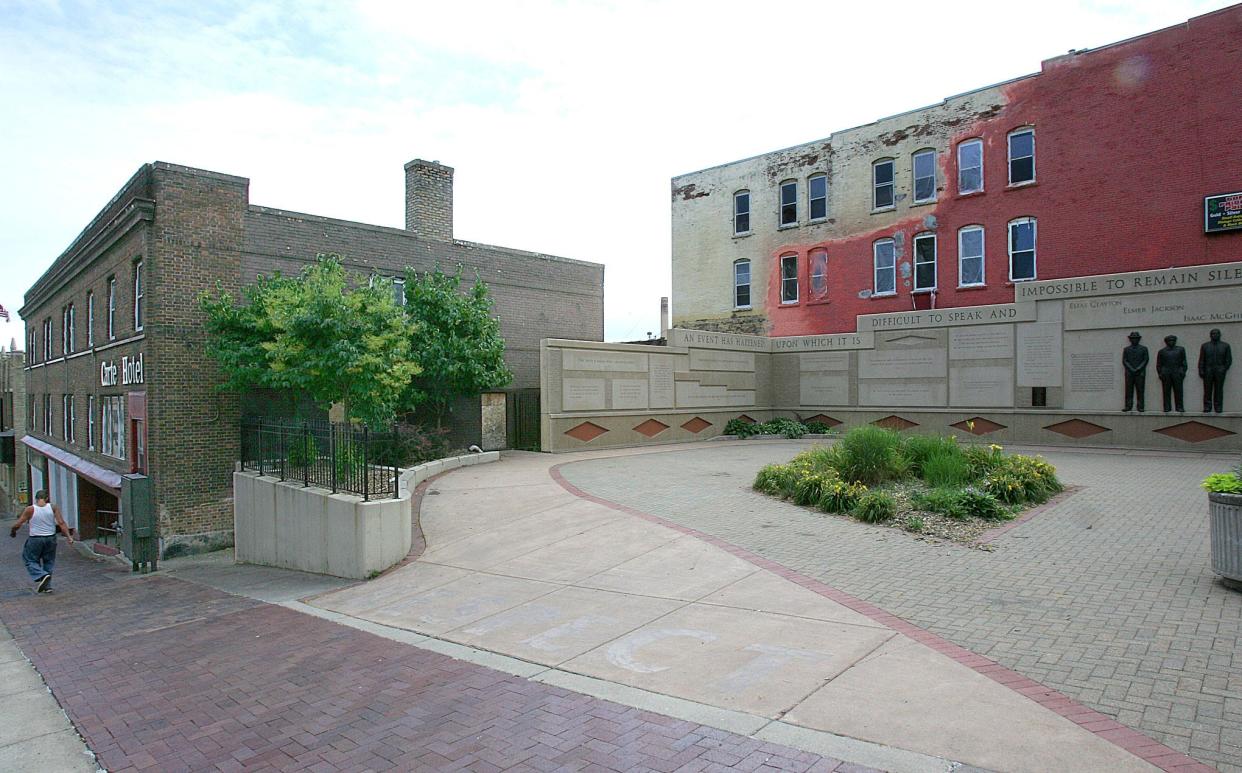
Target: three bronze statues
pixel 1215 359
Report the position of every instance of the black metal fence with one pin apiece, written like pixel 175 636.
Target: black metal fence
pixel 340 457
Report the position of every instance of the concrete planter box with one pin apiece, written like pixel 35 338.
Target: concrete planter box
pixel 1225 512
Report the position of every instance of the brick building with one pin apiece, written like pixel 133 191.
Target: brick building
pixel 1099 163
pixel 116 377
pixel 12 426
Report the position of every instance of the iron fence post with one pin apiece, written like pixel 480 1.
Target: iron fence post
pixel 366 467
pixel 262 450
pixel 332 454
pixel 283 432
pixel 306 461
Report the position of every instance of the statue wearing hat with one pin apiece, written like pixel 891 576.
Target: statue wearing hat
pixel 1214 360
pixel 1134 359
pixel 1171 368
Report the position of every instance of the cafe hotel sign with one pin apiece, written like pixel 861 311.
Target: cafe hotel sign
pixel 128 372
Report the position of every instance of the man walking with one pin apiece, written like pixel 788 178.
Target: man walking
pixel 39 552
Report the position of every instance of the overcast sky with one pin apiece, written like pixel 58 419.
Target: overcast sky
pixel 564 120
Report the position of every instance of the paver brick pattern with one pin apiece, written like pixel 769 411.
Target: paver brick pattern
pixel 1107 595
pixel 161 674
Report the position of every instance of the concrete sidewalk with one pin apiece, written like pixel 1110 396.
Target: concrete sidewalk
pixel 593 594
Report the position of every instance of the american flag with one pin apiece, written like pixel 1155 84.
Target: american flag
pixel 4 313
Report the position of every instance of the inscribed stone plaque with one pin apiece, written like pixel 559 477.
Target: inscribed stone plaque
pixel 1169 308
pixel 582 394
pixel 660 379
pixel 831 342
pixel 709 340
pixel 1093 372
pixel 629 394
pixel 897 392
pixel 824 389
pixel 822 361
pixel 721 359
pixel 1039 354
pixel 592 359
pixel 902 363
pixel 984 386
pixel 1131 282
pixel 967 315
pixel 985 342
pixel 691 394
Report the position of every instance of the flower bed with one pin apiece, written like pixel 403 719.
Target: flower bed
pixel 922 484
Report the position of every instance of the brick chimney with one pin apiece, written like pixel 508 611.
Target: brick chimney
pixel 429 199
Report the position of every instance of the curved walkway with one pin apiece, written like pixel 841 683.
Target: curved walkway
pixel 521 565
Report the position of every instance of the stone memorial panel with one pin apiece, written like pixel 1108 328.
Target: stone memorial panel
pixel 582 394
pixel 985 386
pixel 833 342
pixel 967 315
pixel 705 339
pixel 1218 275
pixel 1039 354
pixel 902 363
pixel 1093 372
pixel 1148 309
pixel 824 389
pixel 660 378
pixel 901 392
pixel 720 359
pixel 629 394
pixel 593 359
pixel 984 342
pixel 823 361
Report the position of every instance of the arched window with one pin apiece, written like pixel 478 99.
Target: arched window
pixel 741 212
pixel 818 260
pixel 885 264
pixel 741 284
pixel 1022 156
pixel 970 256
pixel 1022 249
pixel 970 166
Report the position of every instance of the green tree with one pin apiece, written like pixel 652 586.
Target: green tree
pixel 457 341
pixel 316 335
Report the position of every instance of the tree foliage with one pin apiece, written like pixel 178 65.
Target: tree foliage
pixel 457 343
pixel 316 335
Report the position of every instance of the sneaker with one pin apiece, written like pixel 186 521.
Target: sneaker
pixel 41 585
pixel 47 590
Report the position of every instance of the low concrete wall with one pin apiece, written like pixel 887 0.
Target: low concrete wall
pixel 412 476
pixel 312 530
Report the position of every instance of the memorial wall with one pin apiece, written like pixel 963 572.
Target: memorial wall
pixel 1090 360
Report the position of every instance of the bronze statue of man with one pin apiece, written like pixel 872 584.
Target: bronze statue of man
pixel 1214 360
pixel 1171 368
pixel 1134 359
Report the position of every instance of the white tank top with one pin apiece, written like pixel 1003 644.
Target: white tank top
pixel 43 523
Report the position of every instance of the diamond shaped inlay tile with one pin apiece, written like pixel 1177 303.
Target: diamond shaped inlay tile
pixel 697 425
pixel 1076 428
pixel 1193 432
pixel 895 422
pixel 977 425
pixel 745 418
pixel 822 419
pixel 586 432
pixel 651 427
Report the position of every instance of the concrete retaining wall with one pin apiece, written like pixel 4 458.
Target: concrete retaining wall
pixel 411 477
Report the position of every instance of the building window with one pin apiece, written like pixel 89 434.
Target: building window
pixel 398 291
pixel 819 274
pixel 138 318
pixel 741 284
pixel 741 212
pixel 925 262
pixel 112 426
pixel 67 418
pixel 789 279
pixel 90 422
pixel 30 344
pixel 67 344
pixel 47 339
pixel 47 415
pixel 111 308
pixel 30 413
pixel 885 257
pixel 90 320
pixel 1022 249
pixel 789 202
pixel 882 184
pixel 1021 156
pixel 817 196
pixel 970 166
pixel 924 176
pixel 970 256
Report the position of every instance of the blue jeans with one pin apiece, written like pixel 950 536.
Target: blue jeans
pixel 39 553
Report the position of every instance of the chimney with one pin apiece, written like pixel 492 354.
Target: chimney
pixel 664 317
pixel 429 199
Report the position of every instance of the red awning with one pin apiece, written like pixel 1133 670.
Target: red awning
pixel 100 476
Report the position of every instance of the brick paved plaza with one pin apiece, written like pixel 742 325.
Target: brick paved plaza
pixel 1106 595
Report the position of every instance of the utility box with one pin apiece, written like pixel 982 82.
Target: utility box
pixel 136 525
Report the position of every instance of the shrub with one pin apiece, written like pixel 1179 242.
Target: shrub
pixel 870 455
pixel 784 426
pixel 811 487
pixel 983 459
pixel 1223 483
pixel 409 445
pixel 947 502
pixel 1005 486
pixel 875 507
pixel 351 459
pixel 741 428
pixel 946 466
pixel 914 523
pixel 818 428
pixel 841 496
pixel 767 479
pixel 918 448
pixel 981 504
pixel 303 450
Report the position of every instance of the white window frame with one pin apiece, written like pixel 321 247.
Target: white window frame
pixel 90 422
pixel 876 268
pixel 737 264
pixel 785 280
pixel 811 274
pixel 1009 153
pixel 112 426
pixel 792 187
pixel 738 212
pixel 112 308
pixel 914 173
pixel 962 257
pixel 139 310
pixel 961 167
pixel 891 185
pixel 811 198
pixel 47 415
pixel 1034 248
pixel 64 418
pixel 914 243
pixel 90 320
pixel 48 332
pixel 398 290
pixel 66 329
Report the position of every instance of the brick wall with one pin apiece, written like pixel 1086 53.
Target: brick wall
pixel 429 200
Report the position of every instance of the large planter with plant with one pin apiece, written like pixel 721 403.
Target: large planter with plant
pixel 1225 516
